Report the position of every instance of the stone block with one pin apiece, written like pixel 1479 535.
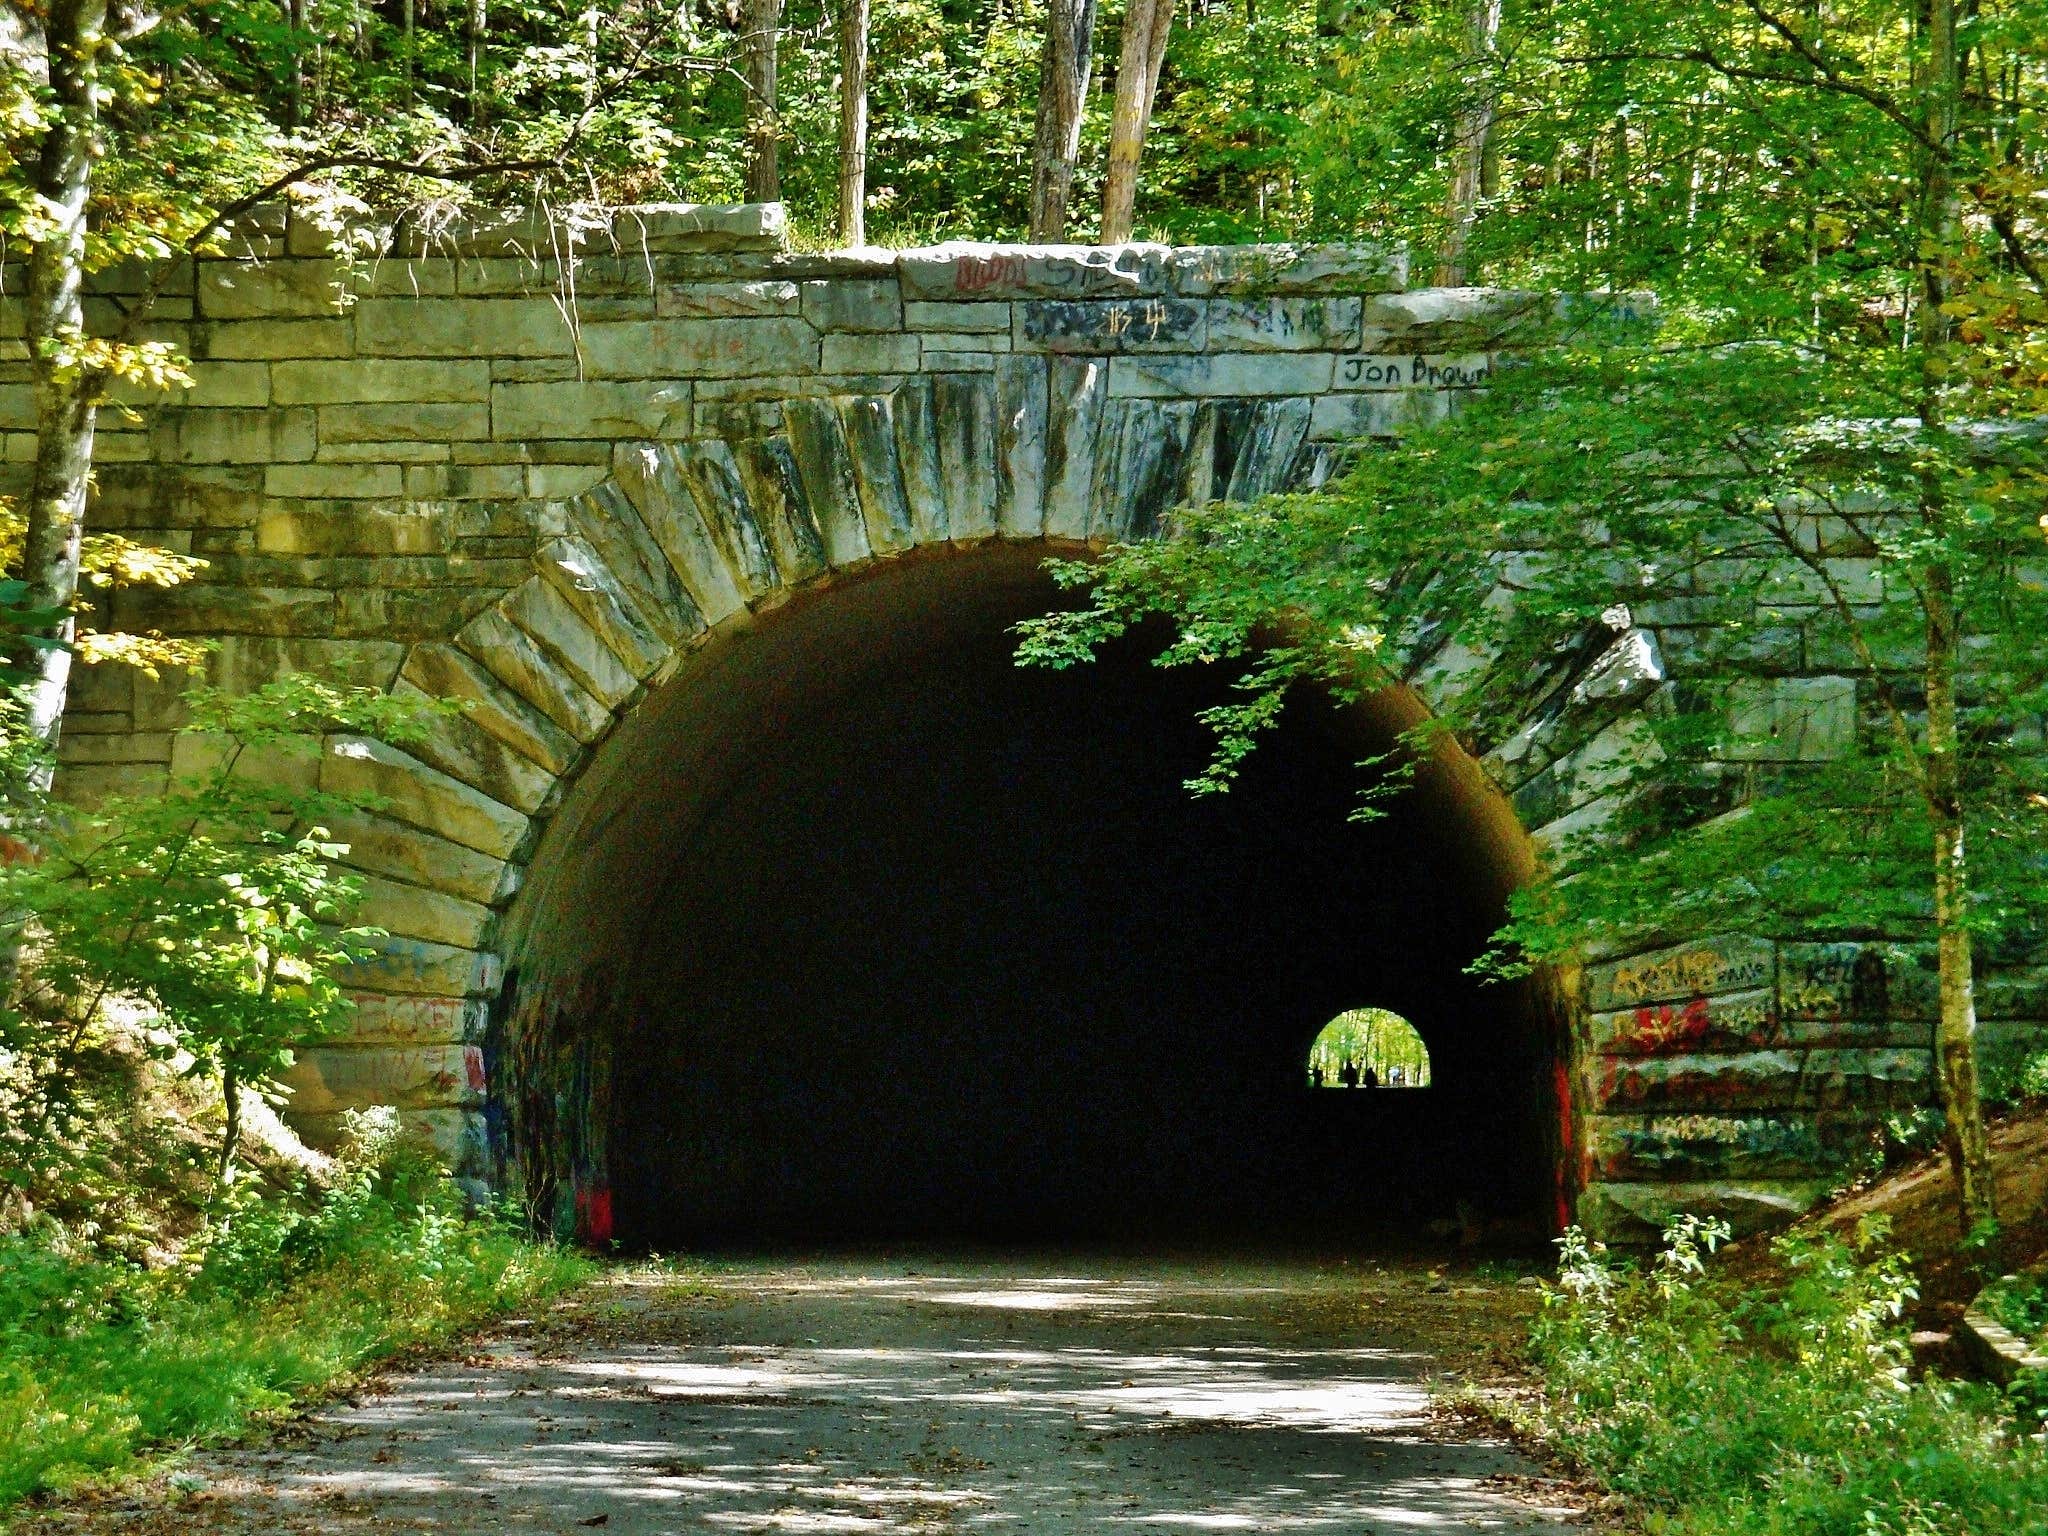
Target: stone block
pixel 964 407
pixel 1850 981
pixel 673 349
pixel 775 492
pixel 404 454
pixel 420 967
pixel 889 352
pixel 1200 271
pixel 209 608
pixel 124 746
pixel 413 911
pixel 825 466
pixel 540 610
pixel 1440 319
pixel 403 788
pixel 1022 402
pixel 381 1018
pixel 1099 326
pixel 964 271
pixel 1638 1213
pixel 462 328
pixel 214 385
pixel 587 585
pixel 1827 1078
pixel 559 482
pixel 457 1138
pixel 719 301
pixel 380 380
pixel 512 656
pixel 687 548
pixel 1417 370
pixel 364 481
pixel 379 845
pixel 326 1079
pixel 969 318
pixel 462 749
pixel 1731 1021
pixel 1790 719
pixel 1696 1147
pixel 1284 324
pixel 1375 414
pixel 591 409
pixel 1077 389
pixel 711 473
pixel 1229 373
pixel 854 304
pixel 273 339
pixel 870 426
pixel 271 290
pixel 665 227
pixel 1704 968
pixel 961 349
pixel 234 436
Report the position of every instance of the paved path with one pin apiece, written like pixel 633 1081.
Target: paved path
pixel 840 1397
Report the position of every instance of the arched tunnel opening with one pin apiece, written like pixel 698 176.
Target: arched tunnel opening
pixel 856 929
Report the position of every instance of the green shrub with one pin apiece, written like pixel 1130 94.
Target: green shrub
pixel 1729 1411
pixel 101 1362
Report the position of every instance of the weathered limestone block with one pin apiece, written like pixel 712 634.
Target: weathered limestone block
pixel 1704 1147
pixel 1139 469
pixel 917 458
pixel 423 968
pixel 1375 413
pixel 969 449
pixel 415 912
pixel 1077 391
pixel 1791 719
pixel 272 339
pixel 1099 326
pixel 1639 1212
pixel 965 271
pixel 718 490
pixel 268 290
pixel 775 491
pixel 1445 319
pixel 1815 1079
pixel 1704 968
pixel 884 353
pixel 855 304
pixel 328 1079
pixel 462 328
pixel 443 672
pixel 957 318
pixel 592 408
pixel 651 476
pixel 1731 1021
pixel 459 747
pixel 1413 371
pixel 825 465
pixel 269 437
pixel 350 530
pixel 379 845
pixel 406 789
pixel 381 1019
pixel 538 609
pixel 870 425
pixel 1266 458
pixel 1284 324
pixel 378 380
pixel 586 584
pixel 404 422
pixel 720 301
pixel 1627 671
pixel 709 349
pixel 1202 270
pixel 210 608
pixel 1870 982
pixel 1021 406
pixel 609 520
pixel 1176 377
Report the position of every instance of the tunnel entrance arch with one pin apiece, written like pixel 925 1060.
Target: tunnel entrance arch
pixel 853 928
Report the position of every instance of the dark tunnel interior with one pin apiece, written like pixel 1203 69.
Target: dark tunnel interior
pixel 910 942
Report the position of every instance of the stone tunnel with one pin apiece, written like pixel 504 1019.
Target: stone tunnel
pixel 757 894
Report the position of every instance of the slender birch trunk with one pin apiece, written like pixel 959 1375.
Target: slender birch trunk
pixel 66 397
pixel 853 122
pixel 1955 1036
pixel 1475 129
pixel 1065 64
pixel 1146 24
pixel 763 21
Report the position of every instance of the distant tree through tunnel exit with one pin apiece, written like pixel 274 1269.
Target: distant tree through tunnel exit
pixel 1368 1047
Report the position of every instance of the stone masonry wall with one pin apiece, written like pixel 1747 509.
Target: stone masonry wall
pixel 460 468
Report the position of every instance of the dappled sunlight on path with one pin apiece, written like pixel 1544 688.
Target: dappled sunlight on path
pixel 842 1398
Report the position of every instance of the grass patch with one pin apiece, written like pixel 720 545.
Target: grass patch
pixel 1788 1410
pixel 104 1364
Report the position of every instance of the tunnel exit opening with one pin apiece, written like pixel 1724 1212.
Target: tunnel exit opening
pixel 856 930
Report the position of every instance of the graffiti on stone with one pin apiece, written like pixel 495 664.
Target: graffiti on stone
pixel 1420 371
pixel 1113 325
pixel 1674 975
pixel 1738 1020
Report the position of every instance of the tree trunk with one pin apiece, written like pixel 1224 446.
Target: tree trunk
pixel 1475 129
pixel 479 25
pixel 853 122
pixel 763 20
pixel 1063 70
pixel 66 399
pixel 1955 1036
pixel 1146 24
pixel 231 1126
